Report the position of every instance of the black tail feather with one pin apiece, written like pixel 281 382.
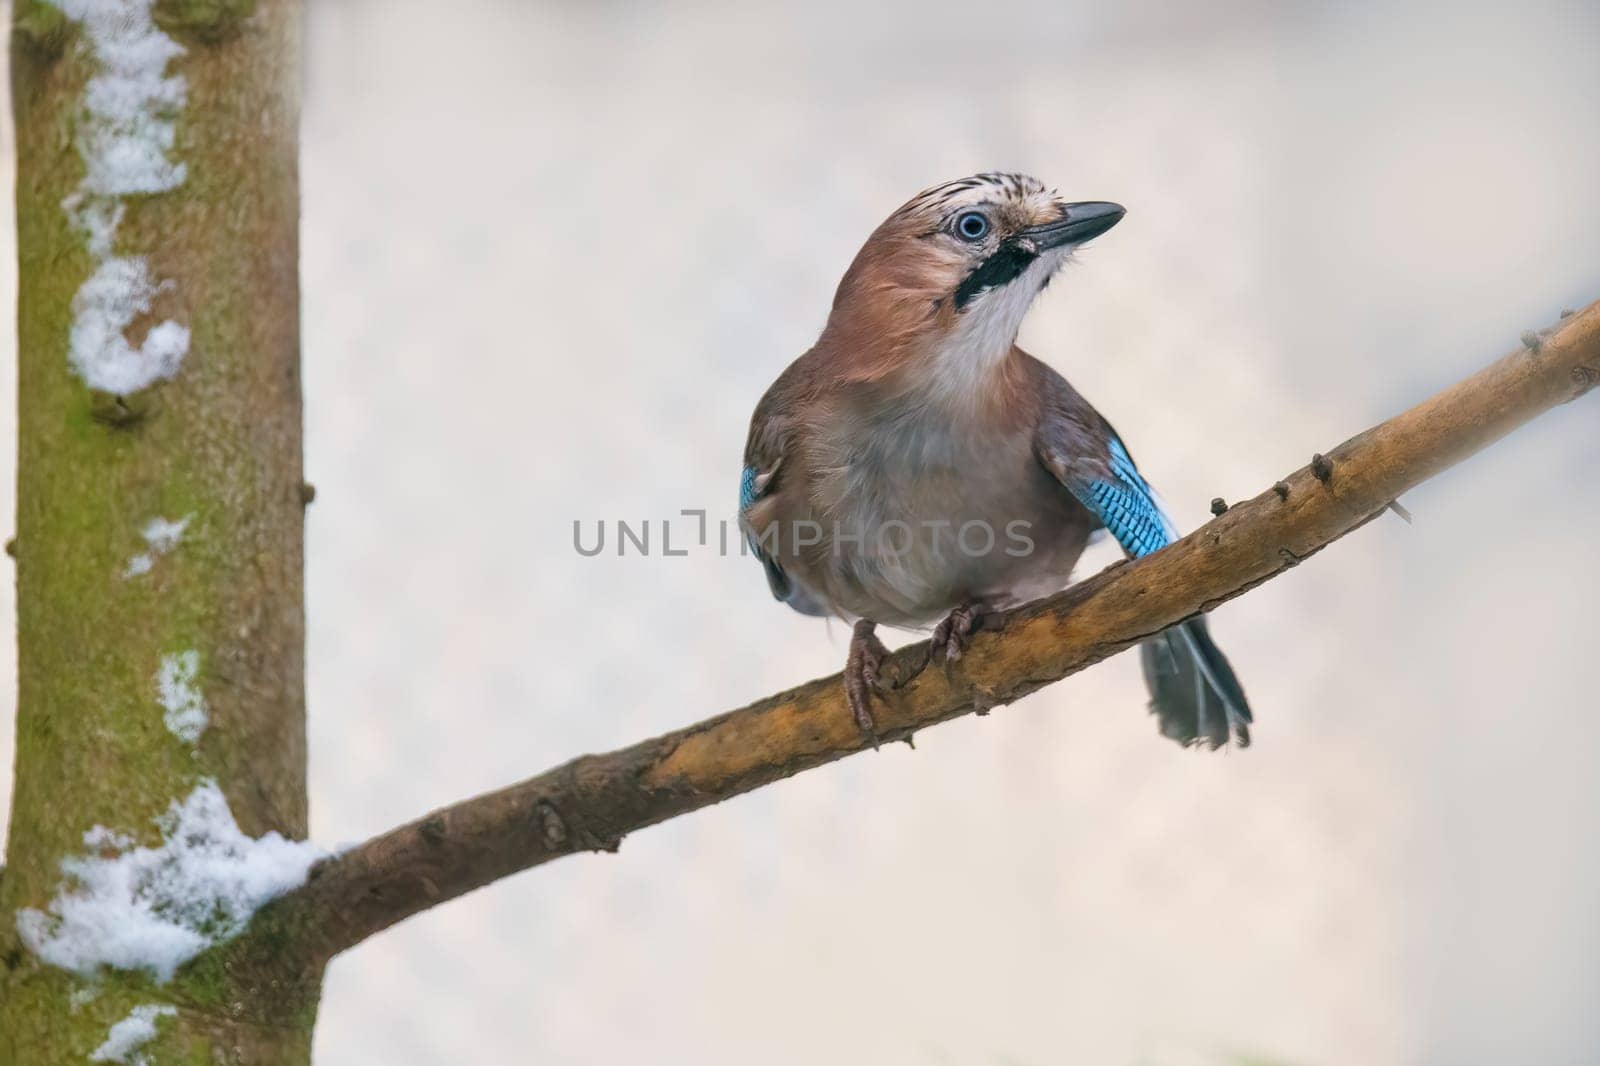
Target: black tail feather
pixel 1193 691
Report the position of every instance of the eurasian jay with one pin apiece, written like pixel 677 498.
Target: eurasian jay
pixel 916 468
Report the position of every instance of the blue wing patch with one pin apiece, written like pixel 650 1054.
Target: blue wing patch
pixel 747 489
pixel 782 588
pixel 1127 506
pixel 748 493
pixel 777 580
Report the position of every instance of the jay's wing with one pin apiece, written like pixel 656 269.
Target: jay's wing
pixel 760 480
pixel 1081 450
pixel 1193 688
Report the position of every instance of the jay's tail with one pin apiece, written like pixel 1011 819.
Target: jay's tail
pixel 1193 691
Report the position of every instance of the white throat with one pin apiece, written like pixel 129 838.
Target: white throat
pixel 984 334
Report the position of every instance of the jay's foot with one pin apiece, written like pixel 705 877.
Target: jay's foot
pixel 861 677
pixel 951 637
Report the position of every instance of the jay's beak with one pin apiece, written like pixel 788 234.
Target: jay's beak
pixel 1078 223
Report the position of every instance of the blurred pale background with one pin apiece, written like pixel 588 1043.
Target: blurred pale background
pixel 554 252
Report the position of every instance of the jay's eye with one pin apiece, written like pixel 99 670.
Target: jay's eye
pixel 972 226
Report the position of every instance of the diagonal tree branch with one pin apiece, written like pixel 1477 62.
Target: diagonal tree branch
pixel 593 801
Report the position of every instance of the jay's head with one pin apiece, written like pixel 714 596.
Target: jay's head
pixel 962 262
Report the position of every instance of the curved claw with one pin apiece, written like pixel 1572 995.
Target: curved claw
pixel 954 634
pixel 862 678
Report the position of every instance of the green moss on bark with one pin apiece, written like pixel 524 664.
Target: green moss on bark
pixel 39 28
pixel 206 21
pixel 221 443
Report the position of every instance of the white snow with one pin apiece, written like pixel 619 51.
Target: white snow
pixel 161 536
pixel 98 219
pixel 131 1034
pixel 154 908
pixel 185 705
pixel 116 293
pixel 128 127
pixel 130 102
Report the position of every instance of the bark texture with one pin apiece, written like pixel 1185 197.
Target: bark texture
pixel 592 802
pixel 220 443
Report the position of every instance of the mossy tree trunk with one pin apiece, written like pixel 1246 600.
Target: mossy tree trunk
pixel 219 444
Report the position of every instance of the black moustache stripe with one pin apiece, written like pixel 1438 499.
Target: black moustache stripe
pixel 1004 266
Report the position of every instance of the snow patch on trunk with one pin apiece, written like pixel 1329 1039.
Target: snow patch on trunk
pixel 160 537
pixel 185 705
pixel 131 1034
pixel 155 908
pixel 127 128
